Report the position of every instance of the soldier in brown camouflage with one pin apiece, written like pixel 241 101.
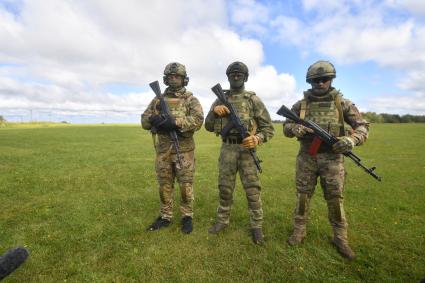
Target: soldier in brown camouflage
pixel 324 105
pixel 187 117
pixel 234 154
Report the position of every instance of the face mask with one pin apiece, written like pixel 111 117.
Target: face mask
pixel 236 80
pixel 175 82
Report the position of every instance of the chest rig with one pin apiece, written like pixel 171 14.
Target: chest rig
pixel 178 104
pixel 244 107
pixel 325 111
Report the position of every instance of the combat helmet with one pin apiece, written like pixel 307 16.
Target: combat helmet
pixel 238 67
pixel 320 69
pixel 176 68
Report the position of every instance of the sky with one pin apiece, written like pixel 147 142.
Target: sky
pixel 91 61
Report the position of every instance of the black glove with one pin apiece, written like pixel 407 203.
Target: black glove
pixel 168 125
pixel 157 120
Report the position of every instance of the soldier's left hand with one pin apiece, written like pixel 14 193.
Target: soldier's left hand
pixel 251 141
pixel 345 144
pixel 221 110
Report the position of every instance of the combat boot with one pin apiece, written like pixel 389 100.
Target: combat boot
pixel 217 227
pixel 297 236
pixel 343 248
pixel 257 236
pixel 300 219
pixel 159 223
pixel 187 226
pixel 337 219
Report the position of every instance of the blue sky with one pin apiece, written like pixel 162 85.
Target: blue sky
pixel 91 61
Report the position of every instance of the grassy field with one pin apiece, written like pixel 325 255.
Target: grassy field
pixel 80 198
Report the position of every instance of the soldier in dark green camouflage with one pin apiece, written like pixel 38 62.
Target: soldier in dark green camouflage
pixel 324 105
pixel 234 155
pixel 187 117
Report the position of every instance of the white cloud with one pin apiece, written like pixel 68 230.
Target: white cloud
pixel 416 7
pixel 414 81
pixel 402 104
pixel 273 88
pixel 325 6
pixel 250 16
pixel 348 32
pixel 64 54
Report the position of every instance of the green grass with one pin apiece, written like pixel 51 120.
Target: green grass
pixel 80 198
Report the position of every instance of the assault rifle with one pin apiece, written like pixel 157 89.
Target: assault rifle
pixel 325 137
pixel 235 122
pixel 165 113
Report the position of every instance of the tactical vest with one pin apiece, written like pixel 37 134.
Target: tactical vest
pixel 179 108
pixel 325 111
pixel 243 105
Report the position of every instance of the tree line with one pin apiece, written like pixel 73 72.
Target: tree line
pixel 373 117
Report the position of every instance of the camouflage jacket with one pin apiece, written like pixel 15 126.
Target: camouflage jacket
pixel 254 111
pixel 351 116
pixel 186 109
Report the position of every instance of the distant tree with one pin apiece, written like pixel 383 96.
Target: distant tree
pixel 2 120
pixel 391 118
pixel 407 118
pixel 419 119
pixel 372 117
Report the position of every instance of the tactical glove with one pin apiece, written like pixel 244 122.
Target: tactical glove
pixel 345 144
pixel 157 120
pixel 168 125
pixel 300 130
pixel 250 141
pixel 221 110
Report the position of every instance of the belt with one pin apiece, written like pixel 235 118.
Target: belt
pixel 232 140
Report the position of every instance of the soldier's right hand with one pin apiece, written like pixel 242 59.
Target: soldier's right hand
pixel 300 130
pixel 221 110
pixel 157 120
pixel 168 125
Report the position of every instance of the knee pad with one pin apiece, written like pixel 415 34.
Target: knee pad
pixel 252 194
pixel 225 193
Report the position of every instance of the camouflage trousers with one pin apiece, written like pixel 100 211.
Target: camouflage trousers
pixel 234 158
pixel 167 169
pixel 329 168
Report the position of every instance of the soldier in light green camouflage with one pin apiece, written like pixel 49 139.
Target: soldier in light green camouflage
pixel 324 105
pixel 187 117
pixel 234 155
